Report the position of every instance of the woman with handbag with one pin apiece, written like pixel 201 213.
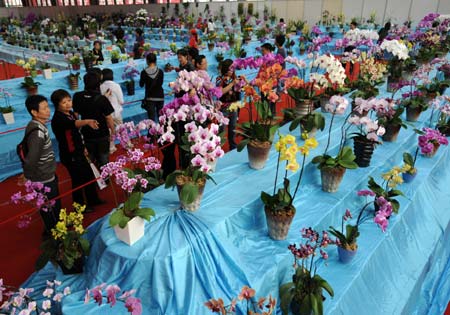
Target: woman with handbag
pixel 152 77
pixel 72 151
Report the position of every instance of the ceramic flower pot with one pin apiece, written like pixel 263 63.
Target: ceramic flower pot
pixel 258 153
pixel 331 178
pixel 363 150
pixel 47 73
pixel 9 118
pixel 73 82
pixel 114 60
pixel 303 107
pixel 76 67
pixel 433 151
pixel 407 177
pixel 278 223
pixel 210 46
pixel 193 206
pixel 77 267
pixel 323 102
pixel 132 232
pixel 391 133
pixel 32 90
pixel 345 255
pixel 412 114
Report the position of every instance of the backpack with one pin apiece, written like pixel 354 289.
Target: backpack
pixel 22 147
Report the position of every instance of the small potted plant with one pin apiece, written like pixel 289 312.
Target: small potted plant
pixel 45 66
pixel 430 141
pixel 409 171
pixel 74 61
pixel 8 114
pixel 219 57
pixel 347 241
pixel 304 295
pixel 7 110
pixel 133 173
pixel 332 169
pixel 115 56
pixel 129 73
pixel 30 85
pixel 389 116
pixel 278 207
pixel 67 247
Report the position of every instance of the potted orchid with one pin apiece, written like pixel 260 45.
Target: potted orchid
pixel 66 248
pixel 129 73
pixel 267 306
pixel 332 169
pixel 7 110
pixel 192 121
pixel 259 131
pixel 365 140
pixel 304 295
pixel 325 72
pixel 430 141
pixel 409 171
pixel 278 207
pixel 133 173
pixel 395 52
pixel 389 116
pixel 74 61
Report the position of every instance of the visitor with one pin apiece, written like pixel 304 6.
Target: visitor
pixel 353 29
pixel 90 104
pixel 384 31
pixel 201 63
pixel 152 78
pixel 227 81
pixel 266 49
pixel 97 52
pixel 39 164
pixel 113 92
pixel 211 27
pixel 193 40
pixel 184 63
pixel 72 152
pixel 138 44
pixel 279 42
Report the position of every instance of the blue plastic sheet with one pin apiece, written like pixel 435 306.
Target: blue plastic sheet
pixel 184 259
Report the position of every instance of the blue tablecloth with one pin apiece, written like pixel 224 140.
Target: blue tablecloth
pixel 184 259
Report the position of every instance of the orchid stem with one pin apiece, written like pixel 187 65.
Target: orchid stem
pixel 299 180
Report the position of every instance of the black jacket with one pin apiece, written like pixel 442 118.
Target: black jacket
pixel 153 79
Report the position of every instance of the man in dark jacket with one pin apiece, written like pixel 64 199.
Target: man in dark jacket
pixel 90 104
pixel 39 164
pixel 152 77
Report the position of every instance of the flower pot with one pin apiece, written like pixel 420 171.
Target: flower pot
pixel 193 206
pixel 130 87
pixel 212 164
pixel 32 90
pixel 132 232
pixel 278 223
pixel 258 153
pixel 114 60
pixel 412 114
pixel 433 152
pixel 345 255
pixel 76 67
pixel 210 46
pixel 363 149
pixel 331 178
pixel 47 74
pixel 391 83
pixel 391 133
pixel 77 267
pixel 407 177
pixel 9 118
pixel 303 107
pixel 73 82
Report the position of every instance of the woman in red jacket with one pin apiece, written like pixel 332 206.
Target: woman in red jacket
pixel 193 41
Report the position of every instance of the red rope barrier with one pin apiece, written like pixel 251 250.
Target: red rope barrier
pixel 31 210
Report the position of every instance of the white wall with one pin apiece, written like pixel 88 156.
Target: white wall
pixel 310 10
